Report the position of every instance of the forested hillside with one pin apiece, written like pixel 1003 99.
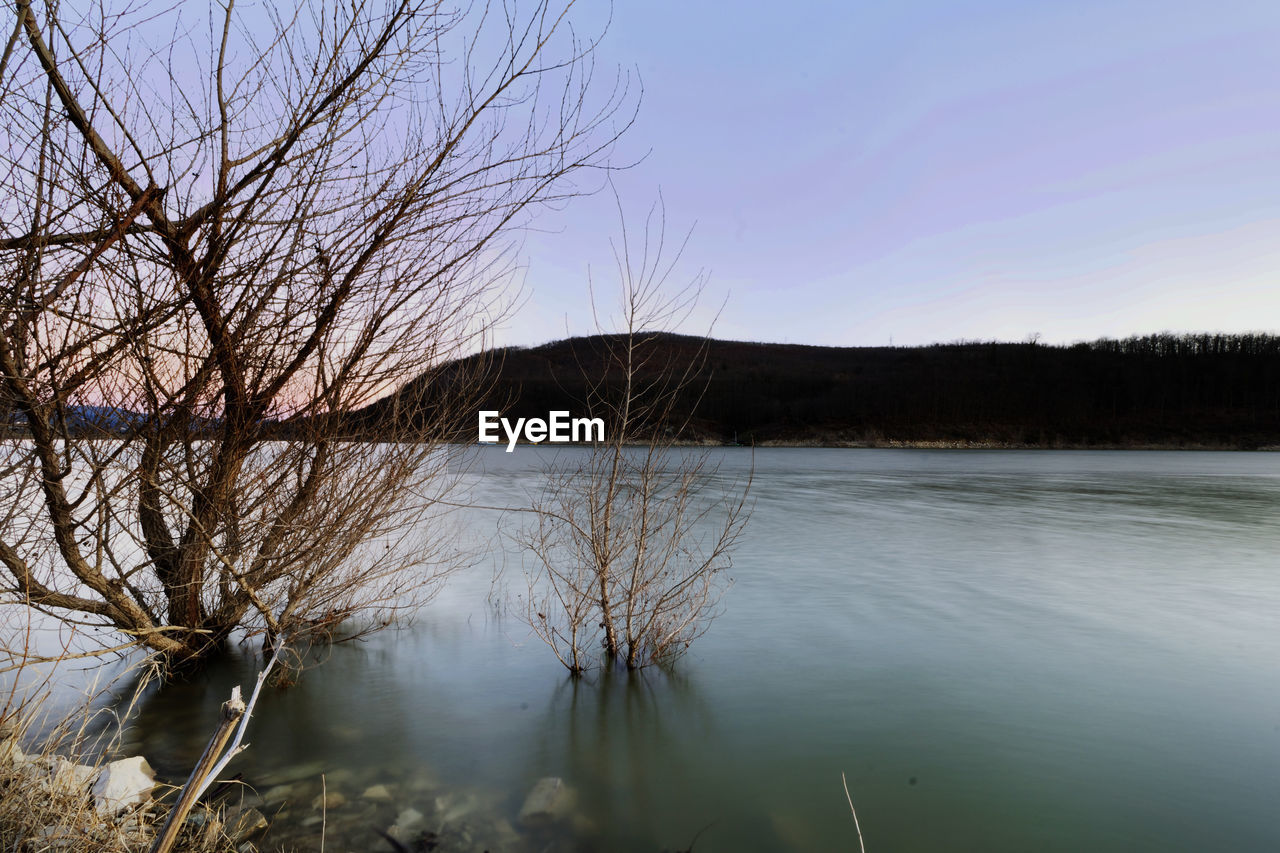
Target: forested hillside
pixel 1158 390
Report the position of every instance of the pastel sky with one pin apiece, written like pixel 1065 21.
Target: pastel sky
pixel 931 170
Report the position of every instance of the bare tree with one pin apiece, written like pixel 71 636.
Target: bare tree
pixel 222 234
pixel 631 545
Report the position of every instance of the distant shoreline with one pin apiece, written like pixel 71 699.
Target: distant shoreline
pixel 965 444
pixel 959 444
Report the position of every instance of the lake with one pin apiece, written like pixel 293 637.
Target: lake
pixel 1001 650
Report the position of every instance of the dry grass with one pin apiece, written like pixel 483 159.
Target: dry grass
pixel 47 767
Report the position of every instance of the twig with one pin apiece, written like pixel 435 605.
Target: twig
pixel 324 810
pixel 854 811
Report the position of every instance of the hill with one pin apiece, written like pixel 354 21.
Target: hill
pixel 1163 390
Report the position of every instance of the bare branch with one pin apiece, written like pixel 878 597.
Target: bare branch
pixel 626 541
pixel 221 243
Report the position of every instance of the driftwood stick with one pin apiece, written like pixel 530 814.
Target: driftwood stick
pixel 210 765
pixel 232 711
pixel 236 748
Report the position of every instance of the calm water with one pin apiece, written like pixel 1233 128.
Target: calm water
pixel 1004 651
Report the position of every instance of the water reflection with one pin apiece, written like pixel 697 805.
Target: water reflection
pixel 619 736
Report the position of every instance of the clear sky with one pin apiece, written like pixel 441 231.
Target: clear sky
pixel 930 170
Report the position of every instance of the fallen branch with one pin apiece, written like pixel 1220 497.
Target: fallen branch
pixel 236 748
pixel 234 711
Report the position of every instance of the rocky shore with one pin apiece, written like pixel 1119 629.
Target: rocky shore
pixel 400 809
pixel 109 805
pixel 121 805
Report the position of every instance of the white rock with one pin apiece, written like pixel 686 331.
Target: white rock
pixel 243 823
pixel 452 807
pixel 329 800
pixel 340 776
pixel 278 793
pixel 11 752
pixel 550 799
pixel 55 776
pixel 71 777
pixel 123 784
pixel 376 792
pixel 407 822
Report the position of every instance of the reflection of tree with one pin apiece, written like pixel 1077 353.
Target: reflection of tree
pixel 632 745
pixel 291 728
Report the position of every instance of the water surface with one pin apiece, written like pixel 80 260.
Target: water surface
pixel 1003 651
